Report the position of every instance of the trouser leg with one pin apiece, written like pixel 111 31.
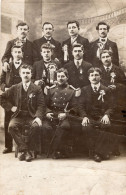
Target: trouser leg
pixel 8 137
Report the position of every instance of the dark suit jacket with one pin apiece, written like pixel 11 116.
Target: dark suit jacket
pixel 75 78
pixel 86 106
pixel 7 78
pixel 83 41
pixel 35 100
pixel 27 49
pixel 38 68
pixel 109 45
pixel 119 78
pixel 37 48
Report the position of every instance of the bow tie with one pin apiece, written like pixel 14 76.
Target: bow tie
pixel 103 40
pixel 17 62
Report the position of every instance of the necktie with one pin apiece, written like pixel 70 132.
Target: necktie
pixel 77 64
pixel 95 89
pixel 103 40
pixel 17 62
pixel 107 70
pixel 25 87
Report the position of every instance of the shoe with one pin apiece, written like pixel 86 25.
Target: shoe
pixel 7 150
pixel 22 156
pixel 28 157
pixel 97 158
pixel 116 153
pixel 106 157
pixel 56 155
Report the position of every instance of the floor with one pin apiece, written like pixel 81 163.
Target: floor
pixel 75 176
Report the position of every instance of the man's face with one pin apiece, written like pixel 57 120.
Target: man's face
pixel 25 74
pixel 94 77
pixel 102 31
pixel 106 59
pixel 17 53
pixel 73 29
pixel 61 78
pixel 22 31
pixel 78 53
pixel 48 30
pixel 46 54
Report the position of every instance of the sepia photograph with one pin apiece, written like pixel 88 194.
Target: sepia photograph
pixel 63 97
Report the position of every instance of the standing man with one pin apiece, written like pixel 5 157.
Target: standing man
pixel 9 78
pixel 96 108
pixel 59 98
pixel 43 74
pixel 73 30
pixel 103 43
pixel 27 102
pixel 47 30
pixel 78 68
pixel 21 40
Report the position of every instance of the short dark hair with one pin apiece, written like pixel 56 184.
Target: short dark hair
pixel 47 23
pixel 102 23
pixel 74 21
pixel 22 24
pixel 78 45
pixel 47 46
pixel 63 70
pixel 16 46
pixel 93 69
pixel 25 66
pixel 106 51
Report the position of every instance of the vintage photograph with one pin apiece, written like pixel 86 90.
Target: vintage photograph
pixel 63 97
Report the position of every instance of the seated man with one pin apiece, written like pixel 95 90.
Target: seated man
pixel 27 102
pixel 56 126
pixel 96 108
pixel 44 70
pixel 9 78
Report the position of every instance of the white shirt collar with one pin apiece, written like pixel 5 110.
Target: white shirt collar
pixel 80 62
pixel 97 85
pixel 47 38
pixel 110 67
pixel 100 39
pixel 17 65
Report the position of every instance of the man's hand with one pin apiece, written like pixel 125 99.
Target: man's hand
pixel 38 82
pixel 49 116
pixel 112 86
pixel 85 121
pixel 61 116
pixel 13 109
pixel 105 119
pixel 5 66
pixel 38 121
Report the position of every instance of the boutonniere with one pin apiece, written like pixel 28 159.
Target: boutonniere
pixel 113 75
pixel 31 95
pixel 102 93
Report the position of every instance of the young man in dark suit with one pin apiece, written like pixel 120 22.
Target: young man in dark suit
pixel 78 68
pixel 103 43
pixel 26 100
pixel 9 78
pixel 73 30
pixel 47 30
pixel 42 74
pixel 96 108
pixel 21 40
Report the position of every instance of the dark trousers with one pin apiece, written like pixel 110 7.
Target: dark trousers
pixel 99 137
pixel 55 132
pixel 16 129
pixel 8 137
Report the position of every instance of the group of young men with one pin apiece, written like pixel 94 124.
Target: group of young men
pixel 45 84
